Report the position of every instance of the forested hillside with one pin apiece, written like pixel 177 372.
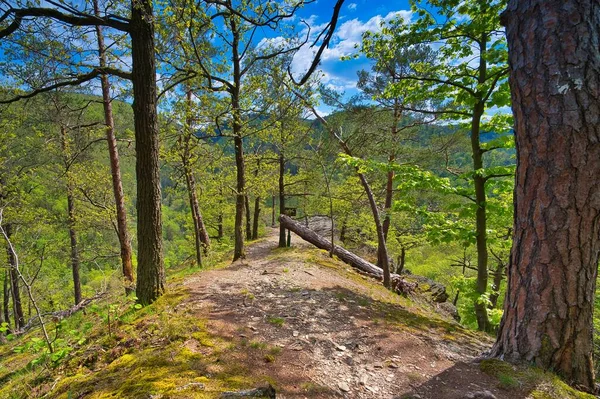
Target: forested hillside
pixel 167 169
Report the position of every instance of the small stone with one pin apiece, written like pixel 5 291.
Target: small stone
pixel 378 365
pixel 363 379
pixel 480 395
pixel 295 333
pixel 341 348
pixel 393 365
pixel 344 386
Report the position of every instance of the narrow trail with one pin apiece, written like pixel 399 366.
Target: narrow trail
pixel 329 332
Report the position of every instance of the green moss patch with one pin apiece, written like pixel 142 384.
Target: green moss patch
pixel 538 383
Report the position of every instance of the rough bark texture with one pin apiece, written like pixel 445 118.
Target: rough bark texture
pixel 555 80
pixel 150 270
pixel 71 218
pixel 322 243
pixel 115 168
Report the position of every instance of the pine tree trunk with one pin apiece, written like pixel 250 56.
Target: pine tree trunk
pixel 113 153
pixel 555 82
pixel 150 269
pixel 256 218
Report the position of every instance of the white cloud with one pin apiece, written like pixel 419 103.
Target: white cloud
pixel 347 37
pixel 352 6
pixel 349 34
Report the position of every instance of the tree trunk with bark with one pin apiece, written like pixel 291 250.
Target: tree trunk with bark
pixel 480 218
pixel 248 218
pixel 238 252
pixel 282 240
pixel 256 218
pixel 273 211
pixel 150 270
pixel 115 168
pixel 401 260
pixel 555 82
pixel 320 242
pixel 201 238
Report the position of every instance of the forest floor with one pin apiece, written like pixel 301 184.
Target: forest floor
pixel 292 317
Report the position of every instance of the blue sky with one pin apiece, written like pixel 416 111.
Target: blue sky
pixel 356 17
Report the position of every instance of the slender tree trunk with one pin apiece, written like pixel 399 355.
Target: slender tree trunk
pixel 273 212
pixel 115 168
pixel 401 261
pixel 480 219
pixel 389 186
pixel 201 238
pixel 71 221
pixel 256 218
pixel 6 297
pixel 238 144
pixel 14 284
pixel 150 269
pixel 220 217
pixel 382 252
pixel 201 233
pixel 389 193
pixel 195 210
pixel 387 207
pixel 75 266
pixel 248 217
pixel 282 241
pixel 554 62
pixel 498 276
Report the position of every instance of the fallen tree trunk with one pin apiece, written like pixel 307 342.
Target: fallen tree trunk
pixel 320 242
pixel 61 314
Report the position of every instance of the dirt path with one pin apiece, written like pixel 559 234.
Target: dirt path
pixel 328 332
